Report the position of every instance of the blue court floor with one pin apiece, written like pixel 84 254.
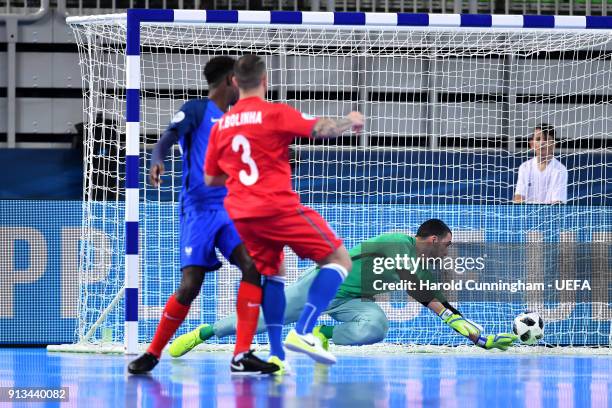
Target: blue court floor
pixel 411 380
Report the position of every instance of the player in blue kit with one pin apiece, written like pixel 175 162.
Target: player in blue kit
pixel 205 224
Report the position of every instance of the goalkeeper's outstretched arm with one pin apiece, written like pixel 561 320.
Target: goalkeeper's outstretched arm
pixel 453 318
pixel 470 329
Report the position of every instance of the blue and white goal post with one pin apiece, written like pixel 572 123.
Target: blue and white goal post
pixel 450 102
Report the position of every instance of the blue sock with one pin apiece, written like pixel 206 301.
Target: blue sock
pixel 273 306
pixel 321 293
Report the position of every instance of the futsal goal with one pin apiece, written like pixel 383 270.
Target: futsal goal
pixel 450 103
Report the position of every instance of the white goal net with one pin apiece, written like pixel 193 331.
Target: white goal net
pixel 449 114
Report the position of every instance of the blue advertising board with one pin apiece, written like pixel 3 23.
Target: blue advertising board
pixel 40 246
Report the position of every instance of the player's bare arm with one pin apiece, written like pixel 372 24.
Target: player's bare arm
pixel 155 173
pixel 215 181
pixel 159 154
pixel 326 128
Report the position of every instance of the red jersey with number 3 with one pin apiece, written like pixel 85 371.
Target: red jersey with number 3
pixel 250 144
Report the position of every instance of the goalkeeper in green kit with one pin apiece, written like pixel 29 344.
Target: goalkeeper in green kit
pixel 361 320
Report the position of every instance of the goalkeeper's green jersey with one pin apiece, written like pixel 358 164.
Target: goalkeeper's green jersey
pixel 382 246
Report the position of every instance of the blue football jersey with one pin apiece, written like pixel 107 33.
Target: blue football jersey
pixel 193 123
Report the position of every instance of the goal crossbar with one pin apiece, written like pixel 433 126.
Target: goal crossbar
pixel 134 17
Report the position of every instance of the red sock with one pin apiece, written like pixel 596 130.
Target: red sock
pixel 247 308
pixel 173 315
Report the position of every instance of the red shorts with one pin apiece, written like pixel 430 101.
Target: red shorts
pixel 304 230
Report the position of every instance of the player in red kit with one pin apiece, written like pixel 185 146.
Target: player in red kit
pixel 249 153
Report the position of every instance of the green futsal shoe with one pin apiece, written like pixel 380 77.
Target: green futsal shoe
pixel 283 366
pixel 324 340
pixel 188 341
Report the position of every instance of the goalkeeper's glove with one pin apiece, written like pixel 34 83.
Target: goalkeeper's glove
pixel 473 331
pixel 499 341
pixel 461 325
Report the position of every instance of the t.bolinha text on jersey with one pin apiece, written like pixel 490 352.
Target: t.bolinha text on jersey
pixel 239 119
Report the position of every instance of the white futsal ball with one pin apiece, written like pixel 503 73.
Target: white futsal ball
pixel 529 326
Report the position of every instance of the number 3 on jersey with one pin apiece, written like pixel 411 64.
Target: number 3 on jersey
pixel 247 178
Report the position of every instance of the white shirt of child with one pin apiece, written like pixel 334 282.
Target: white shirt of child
pixel 542 187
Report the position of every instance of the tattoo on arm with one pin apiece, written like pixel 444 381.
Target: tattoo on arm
pixel 330 128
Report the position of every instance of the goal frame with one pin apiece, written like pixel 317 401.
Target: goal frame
pixel 133 20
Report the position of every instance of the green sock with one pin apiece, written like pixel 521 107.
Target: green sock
pixel 206 332
pixel 327 331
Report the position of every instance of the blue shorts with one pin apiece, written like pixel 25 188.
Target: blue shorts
pixel 201 232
